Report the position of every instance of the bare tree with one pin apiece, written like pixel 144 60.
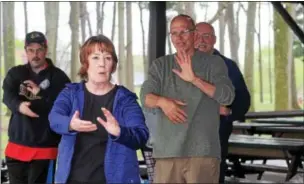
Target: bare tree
pixel 143 39
pixel 249 49
pixel 260 55
pixel 121 47
pixel 89 22
pixel 83 7
pixel 269 59
pixel 51 10
pixel 25 16
pixel 8 38
pixel 189 9
pixel 292 92
pixel 222 26
pixel 113 22
pixel 129 63
pixel 219 13
pixel 206 10
pixel 1 63
pixel 281 62
pixel 100 16
pixel 233 33
pixel 8 35
pixel 74 26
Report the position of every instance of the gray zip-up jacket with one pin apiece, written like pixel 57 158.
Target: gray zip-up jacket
pixel 199 135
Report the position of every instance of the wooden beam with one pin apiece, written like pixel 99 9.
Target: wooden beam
pixel 157 30
pixel 289 20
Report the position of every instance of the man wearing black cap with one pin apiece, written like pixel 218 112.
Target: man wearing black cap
pixel 29 91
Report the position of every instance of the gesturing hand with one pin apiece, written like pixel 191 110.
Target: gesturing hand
pixel 172 110
pixel 79 125
pixel 185 63
pixel 25 109
pixel 224 111
pixel 111 124
pixel 32 87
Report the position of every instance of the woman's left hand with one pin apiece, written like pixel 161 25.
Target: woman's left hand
pixel 111 124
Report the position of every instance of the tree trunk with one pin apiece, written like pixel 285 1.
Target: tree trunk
pixel 249 50
pixel 51 10
pixel 102 17
pixel 206 11
pixel 8 39
pixel 180 7
pixel 129 74
pixel 169 18
pixel 8 35
pixel 190 10
pixel 143 40
pixel 74 26
pixel 218 13
pixel 233 33
pixel 1 63
pixel 82 17
pixel 281 62
pixel 98 17
pixel 292 89
pixel 121 43
pixel 260 56
pixel 270 71
pixel 222 26
pixel 89 21
pixel 169 44
pixel 113 21
pixel 25 17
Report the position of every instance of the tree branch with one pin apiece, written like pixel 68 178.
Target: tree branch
pixel 218 13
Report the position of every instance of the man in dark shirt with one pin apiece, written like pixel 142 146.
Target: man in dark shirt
pixel 205 40
pixel 29 91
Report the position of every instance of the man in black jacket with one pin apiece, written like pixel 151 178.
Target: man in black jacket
pixel 205 40
pixel 29 91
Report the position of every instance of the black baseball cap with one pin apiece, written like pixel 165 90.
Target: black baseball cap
pixel 35 37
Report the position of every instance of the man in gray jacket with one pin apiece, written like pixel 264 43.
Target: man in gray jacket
pixel 188 87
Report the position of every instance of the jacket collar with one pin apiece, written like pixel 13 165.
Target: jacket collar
pixel 121 96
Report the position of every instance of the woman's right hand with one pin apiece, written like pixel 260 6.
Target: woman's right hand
pixel 79 125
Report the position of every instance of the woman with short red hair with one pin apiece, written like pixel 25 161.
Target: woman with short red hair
pixel 101 123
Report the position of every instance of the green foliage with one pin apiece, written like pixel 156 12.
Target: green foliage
pixel 19 44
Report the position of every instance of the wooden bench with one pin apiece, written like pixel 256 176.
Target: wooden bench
pixel 261 168
pixel 275 114
pixel 295 122
pixel 4 175
pixel 245 146
pixel 233 180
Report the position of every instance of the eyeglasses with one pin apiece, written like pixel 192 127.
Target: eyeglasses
pixel 205 35
pixel 181 33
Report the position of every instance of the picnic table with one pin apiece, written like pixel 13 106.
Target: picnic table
pixel 276 130
pixel 242 146
pixel 298 122
pixel 275 114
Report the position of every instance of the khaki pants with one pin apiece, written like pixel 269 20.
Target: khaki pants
pixel 187 170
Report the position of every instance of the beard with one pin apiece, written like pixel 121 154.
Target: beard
pixel 36 63
pixel 204 47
